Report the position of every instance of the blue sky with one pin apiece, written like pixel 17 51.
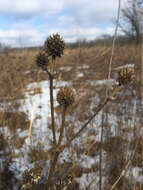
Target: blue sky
pixel 29 22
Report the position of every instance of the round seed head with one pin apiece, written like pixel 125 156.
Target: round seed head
pixel 126 75
pixel 65 96
pixel 26 176
pixel 54 46
pixel 42 60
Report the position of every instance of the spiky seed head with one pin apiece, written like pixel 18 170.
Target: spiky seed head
pixel 65 96
pixel 42 60
pixel 26 176
pixel 126 75
pixel 54 46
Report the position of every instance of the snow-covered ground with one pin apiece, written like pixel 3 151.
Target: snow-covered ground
pixel 37 107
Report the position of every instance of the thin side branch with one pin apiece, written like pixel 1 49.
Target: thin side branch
pixel 99 108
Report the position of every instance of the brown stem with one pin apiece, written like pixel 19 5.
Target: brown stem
pixel 52 169
pixel 100 161
pixel 85 125
pixel 51 103
pixel 52 109
pixel 49 74
pixel 53 163
pixel 62 126
pixel 52 66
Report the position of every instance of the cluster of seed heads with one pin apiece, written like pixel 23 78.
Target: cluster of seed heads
pixel 54 46
pixel 65 96
pixel 126 75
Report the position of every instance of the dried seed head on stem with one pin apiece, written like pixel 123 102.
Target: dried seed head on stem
pixel 65 96
pixel 54 46
pixel 42 60
pixel 126 76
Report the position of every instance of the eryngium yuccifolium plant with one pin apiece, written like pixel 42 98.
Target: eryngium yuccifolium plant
pixel 126 75
pixel 42 60
pixel 54 46
pixel 65 96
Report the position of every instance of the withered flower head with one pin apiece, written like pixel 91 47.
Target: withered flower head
pixel 54 46
pixel 65 96
pixel 26 176
pixel 126 75
pixel 42 60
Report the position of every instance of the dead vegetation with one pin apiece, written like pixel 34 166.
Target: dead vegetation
pixel 18 69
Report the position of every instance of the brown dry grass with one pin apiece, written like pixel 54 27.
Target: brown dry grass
pixel 18 69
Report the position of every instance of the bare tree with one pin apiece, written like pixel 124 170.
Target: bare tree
pixel 130 20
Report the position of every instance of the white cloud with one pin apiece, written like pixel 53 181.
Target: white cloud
pixel 29 8
pixel 33 37
pixel 88 12
pixel 83 10
pixel 73 19
pixel 15 37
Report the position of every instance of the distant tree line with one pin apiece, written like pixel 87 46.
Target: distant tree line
pixel 103 40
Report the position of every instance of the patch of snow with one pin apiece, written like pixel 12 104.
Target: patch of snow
pixel 137 174
pixel 79 74
pixel 87 161
pixel 39 104
pixel 66 68
pixel 125 66
pixel 83 66
pixel 105 82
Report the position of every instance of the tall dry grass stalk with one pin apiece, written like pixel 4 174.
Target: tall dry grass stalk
pixel 142 59
pixel 109 76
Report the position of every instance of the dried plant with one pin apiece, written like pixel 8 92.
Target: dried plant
pixel 76 132
pixel 31 178
pixel 55 171
pixel 42 60
pixel 65 96
pixel 126 75
pixel 53 47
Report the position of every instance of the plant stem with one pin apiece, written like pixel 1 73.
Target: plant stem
pixel 85 125
pixel 52 109
pixel 99 108
pixel 53 163
pixel 51 77
pixel 62 126
pixel 100 161
pixel 52 169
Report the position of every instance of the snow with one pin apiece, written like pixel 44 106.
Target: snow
pixel 39 105
pixel 105 82
pixel 125 66
pixel 137 174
